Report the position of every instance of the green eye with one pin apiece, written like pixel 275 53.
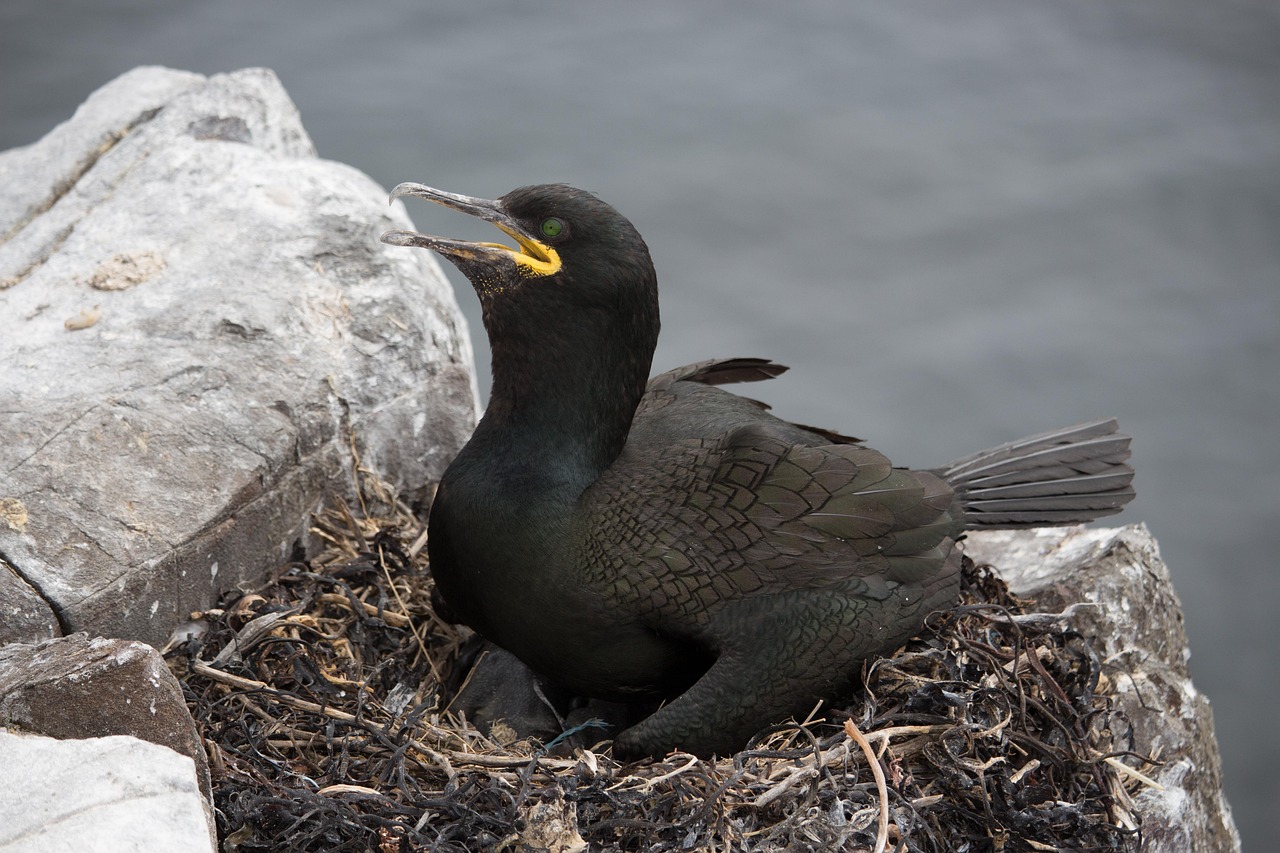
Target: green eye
pixel 552 227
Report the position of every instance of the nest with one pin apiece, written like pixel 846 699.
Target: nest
pixel 321 701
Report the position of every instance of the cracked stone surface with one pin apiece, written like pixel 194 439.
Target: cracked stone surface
pixel 76 687
pixel 1116 590
pixel 99 795
pixel 198 326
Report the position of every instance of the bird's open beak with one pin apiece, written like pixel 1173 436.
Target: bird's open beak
pixel 533 256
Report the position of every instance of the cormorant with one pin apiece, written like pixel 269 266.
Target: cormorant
pixel 634 539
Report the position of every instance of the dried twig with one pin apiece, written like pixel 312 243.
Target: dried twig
pixel 882 831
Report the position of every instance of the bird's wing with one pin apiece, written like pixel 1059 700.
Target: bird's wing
pixel 714 500
pixel 661 389
pixel 720 371
pixel 726 371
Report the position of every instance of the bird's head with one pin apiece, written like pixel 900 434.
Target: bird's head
pixel 571 309
pixel 571 248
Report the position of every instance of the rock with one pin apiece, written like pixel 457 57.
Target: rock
pixel 1119 594
pixel 24 615
pixel 75 687
pixel 101 795
pixel 201 337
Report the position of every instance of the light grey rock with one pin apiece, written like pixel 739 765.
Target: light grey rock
pixel 1119 594
pixel 101 795
pixel 198 325
pixel 24 615
pixel 77 687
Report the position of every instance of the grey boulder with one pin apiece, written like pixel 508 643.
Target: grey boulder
pixel 99 795
pixel 76 688
pixel 1113 587
pixel 201 340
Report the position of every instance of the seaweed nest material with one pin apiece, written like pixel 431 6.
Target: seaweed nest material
pixel 322 699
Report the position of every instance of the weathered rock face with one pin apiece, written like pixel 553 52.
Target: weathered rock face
pixel 1118 593
pixel 99 795
pixel 76 687
pixel 24 615
pixel 198 331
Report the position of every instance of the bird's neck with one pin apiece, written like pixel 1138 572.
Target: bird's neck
pixel 564 394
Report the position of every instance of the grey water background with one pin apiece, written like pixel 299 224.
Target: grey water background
pixel 957 222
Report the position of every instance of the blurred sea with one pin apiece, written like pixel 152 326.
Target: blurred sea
pixel 958 223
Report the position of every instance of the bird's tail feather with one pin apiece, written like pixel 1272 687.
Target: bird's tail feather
pixel 1067 476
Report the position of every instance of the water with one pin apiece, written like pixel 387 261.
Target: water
pixel 959 223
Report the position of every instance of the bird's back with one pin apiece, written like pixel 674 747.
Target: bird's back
pixel 714 501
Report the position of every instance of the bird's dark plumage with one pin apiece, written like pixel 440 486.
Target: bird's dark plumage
pixel 636 539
